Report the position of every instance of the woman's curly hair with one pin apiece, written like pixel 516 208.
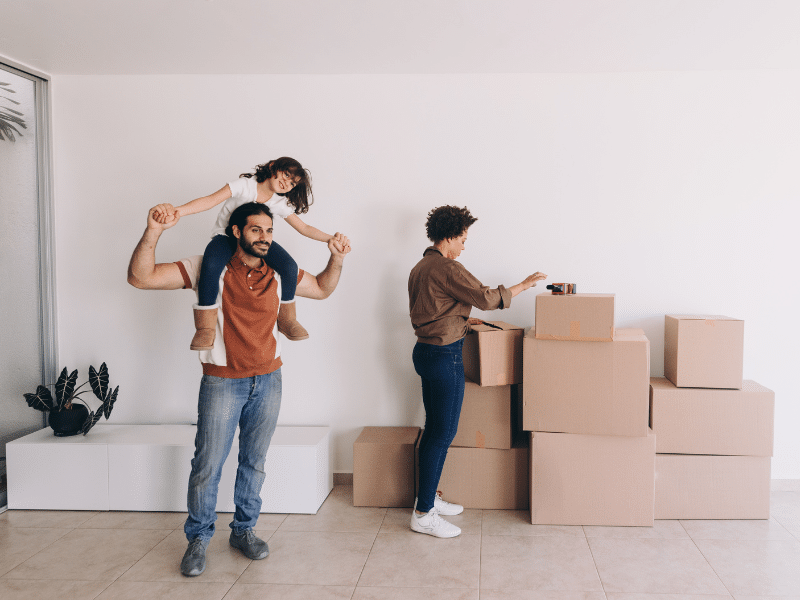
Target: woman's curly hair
pixel 446 222
pixel 300 196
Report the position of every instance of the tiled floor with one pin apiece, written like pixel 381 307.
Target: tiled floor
pixel 353 553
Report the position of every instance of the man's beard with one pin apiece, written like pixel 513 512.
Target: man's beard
pixel 253 250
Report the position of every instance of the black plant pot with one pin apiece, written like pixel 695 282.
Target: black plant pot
pixel 68 422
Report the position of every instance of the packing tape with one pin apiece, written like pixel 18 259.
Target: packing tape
pixel 480 440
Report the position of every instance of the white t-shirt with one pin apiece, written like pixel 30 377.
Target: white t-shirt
pixel 244 190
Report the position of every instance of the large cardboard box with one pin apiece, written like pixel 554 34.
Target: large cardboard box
pixel 486 477
pixel 592 479
pixel 488 416
pixel 575 317
pixel 493 356
pixel 712 421
pixel 587 387
pixel 704 351
pixel 712 487
pixel 383 466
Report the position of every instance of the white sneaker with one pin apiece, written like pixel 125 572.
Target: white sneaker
pixel 448 509
pixel 432 524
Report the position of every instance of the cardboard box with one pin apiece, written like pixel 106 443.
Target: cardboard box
pixel 488 416
pixel 703 351
pixel 575 317
pixel 494 356
pixel 712 487
pixel 485 477
pixel 592 479
pixel 711 421
pixel 587 387
pixel 383 466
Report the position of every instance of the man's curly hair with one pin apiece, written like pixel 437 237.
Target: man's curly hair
pixel 446 222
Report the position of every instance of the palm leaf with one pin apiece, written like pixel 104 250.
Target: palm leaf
pixel 91 421
pixel 41 400
pixel 64 388
pixel 108 404
pixel 99 382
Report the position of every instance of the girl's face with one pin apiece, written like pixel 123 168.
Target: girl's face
pixel 282 182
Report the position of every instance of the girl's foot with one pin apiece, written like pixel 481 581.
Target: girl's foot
pixel 288 324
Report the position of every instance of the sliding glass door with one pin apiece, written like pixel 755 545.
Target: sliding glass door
pixel 27 295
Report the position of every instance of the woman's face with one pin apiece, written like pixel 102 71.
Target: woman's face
pixel 455 246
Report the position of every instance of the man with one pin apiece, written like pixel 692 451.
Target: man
pixel 241 383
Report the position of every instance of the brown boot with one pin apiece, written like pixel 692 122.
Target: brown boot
pixel 205 322
pixel 288 325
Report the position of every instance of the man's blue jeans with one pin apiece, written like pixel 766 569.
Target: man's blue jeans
pixel 253 404
pixel 442 371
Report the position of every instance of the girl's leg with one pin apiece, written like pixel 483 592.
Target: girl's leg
pixel 284 265
pixel 218 253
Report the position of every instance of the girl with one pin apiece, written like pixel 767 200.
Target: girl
pixel 285 187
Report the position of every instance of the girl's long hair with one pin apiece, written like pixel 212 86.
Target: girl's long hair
pixel 300 196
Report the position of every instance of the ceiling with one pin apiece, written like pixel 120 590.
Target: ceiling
pixel 398 36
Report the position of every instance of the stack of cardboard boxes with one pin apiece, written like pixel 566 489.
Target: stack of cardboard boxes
pixel 714 430
pixel 487 463
pixel 586 404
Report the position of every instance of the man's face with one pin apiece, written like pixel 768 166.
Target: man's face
pixel 256 237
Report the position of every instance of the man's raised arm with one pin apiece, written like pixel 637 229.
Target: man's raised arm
pixel 143 272
pixel 322 286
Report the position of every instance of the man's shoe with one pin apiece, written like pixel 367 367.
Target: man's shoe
pixel 448 509
pixel 250 545
pixel 432 524
pixel 194 559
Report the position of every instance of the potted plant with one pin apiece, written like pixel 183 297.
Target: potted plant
pixel 67 417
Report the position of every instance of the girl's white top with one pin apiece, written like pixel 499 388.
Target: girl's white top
pixel 244 190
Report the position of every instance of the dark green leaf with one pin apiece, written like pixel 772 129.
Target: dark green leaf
pixel 41 400
pixel 108 405
pixel 99 382
pixel 64 387
pixel 91 421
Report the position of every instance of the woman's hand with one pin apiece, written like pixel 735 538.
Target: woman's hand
pixel 531 280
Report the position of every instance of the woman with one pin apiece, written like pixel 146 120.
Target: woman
pixel 441 294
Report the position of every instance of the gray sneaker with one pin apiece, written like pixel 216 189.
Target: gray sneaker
pixel 250 545
pixel 194 560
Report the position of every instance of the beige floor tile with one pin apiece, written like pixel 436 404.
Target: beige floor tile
pixel 615 596
pixel 25 589
pixel 157 590
pixel 542 562
pixel 89 554
pixel 387 593
pixel 654 566
pixel 663 530
pixel 767 529
pixel 272 591
pixel 755 567
pixel 411 559
pixel 518 522
pixel 312 558
pixel 766 597
pixel 785 509
pixel 162 563
pixel 398 520
pixel 18 544
pixel 337 515
pixel 540 595
pixel 135 520
pixel 266 522
pixel 58 519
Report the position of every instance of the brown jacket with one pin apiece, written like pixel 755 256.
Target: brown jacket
pixel 441 293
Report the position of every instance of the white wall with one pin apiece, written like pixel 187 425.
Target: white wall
pixel 673 190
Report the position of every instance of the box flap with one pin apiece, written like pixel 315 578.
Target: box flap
pixel 388 435
pixel 502 325
pixel 702 318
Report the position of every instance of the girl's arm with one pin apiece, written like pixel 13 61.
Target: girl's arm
pixel 164 211
pixel 307 230
pixel 206 202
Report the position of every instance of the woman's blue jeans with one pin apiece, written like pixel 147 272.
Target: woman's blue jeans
pixel 442 371
pixel 252 404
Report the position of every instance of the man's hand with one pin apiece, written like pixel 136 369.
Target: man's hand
pixel 339 246
pixel 162 217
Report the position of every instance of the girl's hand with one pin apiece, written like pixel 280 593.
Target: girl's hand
pixel 164 213
pixel 342 240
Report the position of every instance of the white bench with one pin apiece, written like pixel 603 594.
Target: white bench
pixel 146 468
